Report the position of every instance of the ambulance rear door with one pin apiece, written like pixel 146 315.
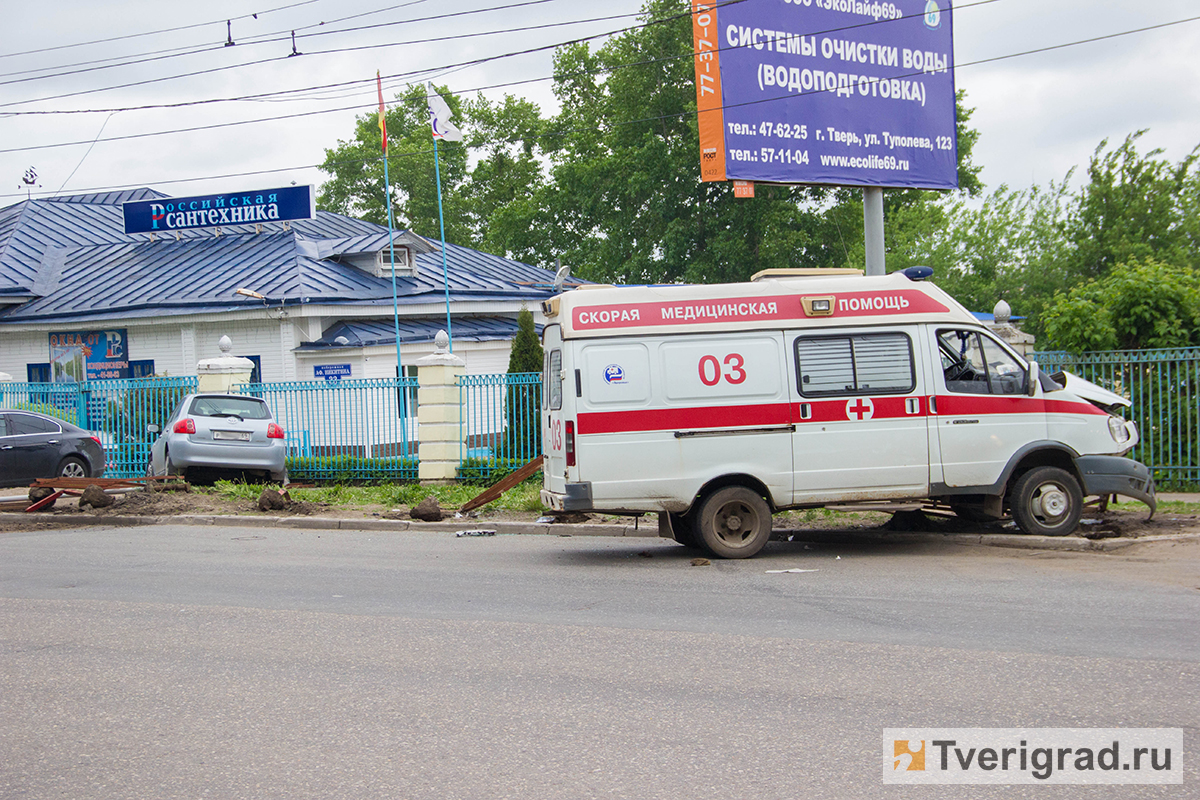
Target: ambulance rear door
pixel 554 468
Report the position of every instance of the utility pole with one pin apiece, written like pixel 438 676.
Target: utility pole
pixel 873 229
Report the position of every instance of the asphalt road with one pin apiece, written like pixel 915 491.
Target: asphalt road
pixel 222 662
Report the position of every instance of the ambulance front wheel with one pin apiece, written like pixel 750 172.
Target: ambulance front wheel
pixel 734 522
pixel 1047 501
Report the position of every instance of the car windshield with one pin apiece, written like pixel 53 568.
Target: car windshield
pixel 244 407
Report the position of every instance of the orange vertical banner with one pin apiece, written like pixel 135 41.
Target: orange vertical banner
pixel 709 103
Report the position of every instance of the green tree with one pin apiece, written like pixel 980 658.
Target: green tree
pixel 526 352
pixel 1132 208
pixel 1146 305
pixel 523 401
pixel 355 187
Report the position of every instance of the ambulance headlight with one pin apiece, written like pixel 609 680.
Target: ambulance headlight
pixel 1116 427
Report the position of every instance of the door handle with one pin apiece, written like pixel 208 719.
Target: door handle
pixel 52 441
pixel 7 447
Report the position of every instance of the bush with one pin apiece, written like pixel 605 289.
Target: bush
pixel 351 468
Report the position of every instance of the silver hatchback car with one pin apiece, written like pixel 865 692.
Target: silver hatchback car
pixel 220 432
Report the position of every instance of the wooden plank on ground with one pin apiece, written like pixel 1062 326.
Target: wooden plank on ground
pixel 494 492
pixel 83 483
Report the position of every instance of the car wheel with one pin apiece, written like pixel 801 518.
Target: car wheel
pixel 173 470
pixel 683 531
pixel 72 467
pixel 1047 501
pixel 734 522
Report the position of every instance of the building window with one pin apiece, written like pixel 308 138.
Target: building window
pixel 141 369
pixel 38 373
pixel 256 372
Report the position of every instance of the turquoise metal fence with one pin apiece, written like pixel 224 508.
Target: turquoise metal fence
pixel 117 411
pixel 348 429
pixel 501 422
pixel 1164 387
pixel 59 400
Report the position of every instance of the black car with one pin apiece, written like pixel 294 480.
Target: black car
pixel 37 446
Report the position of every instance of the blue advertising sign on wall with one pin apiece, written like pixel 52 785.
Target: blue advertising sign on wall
pixel 217 210
pixel 836 92
pixel 79 356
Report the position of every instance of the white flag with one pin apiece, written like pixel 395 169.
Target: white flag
pixel 439 118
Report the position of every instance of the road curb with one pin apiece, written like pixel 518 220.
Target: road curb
pixel 643 531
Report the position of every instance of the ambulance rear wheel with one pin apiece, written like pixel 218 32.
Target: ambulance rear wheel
pixel 1047 501
pixel 734 522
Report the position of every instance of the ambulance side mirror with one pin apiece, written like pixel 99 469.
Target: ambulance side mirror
pixel 1035 377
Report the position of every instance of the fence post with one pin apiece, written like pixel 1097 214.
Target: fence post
pixel 220 375
pixel 439 413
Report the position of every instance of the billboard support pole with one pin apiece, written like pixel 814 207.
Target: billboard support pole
pixel 873 229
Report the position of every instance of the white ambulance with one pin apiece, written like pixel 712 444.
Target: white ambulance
pixel 717 405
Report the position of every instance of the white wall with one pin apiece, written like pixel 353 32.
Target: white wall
pixel 22 348
pixel 177 344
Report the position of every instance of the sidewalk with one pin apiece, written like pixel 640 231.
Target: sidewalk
pixel 647 529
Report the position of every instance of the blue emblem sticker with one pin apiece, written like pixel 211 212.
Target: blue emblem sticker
pixel 933 15
pixel 614 374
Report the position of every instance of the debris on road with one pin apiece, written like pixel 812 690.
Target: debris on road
pixel 494 492
pixel 95 497
pixel 475 533
pixel 427 510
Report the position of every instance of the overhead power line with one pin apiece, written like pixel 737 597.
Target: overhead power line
pixel 274 37
pixel 192 26
pixel 423 40
pixel 563 132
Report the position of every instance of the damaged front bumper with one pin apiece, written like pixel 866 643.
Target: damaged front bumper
pixel 1105 475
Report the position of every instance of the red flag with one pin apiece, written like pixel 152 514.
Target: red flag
pixel 382 119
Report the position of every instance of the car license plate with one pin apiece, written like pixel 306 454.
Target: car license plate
pixel 232 436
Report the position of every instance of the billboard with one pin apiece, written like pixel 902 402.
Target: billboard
pixel 78 356
pixel 837 92
pixel 217 210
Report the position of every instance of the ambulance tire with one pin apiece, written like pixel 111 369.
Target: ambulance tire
pixel 733 522
pixel 1047 501
pixel 684 531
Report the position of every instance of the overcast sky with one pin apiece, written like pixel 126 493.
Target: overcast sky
pixel 1038 115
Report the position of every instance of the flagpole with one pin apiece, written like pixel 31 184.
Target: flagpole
pixel 437 171
pixel 387 199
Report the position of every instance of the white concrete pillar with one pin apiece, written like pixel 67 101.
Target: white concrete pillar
pixel 220 375
pixel 439 413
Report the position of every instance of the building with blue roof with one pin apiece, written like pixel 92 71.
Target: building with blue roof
pixel 317 294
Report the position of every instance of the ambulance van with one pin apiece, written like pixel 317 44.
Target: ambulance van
pixel 715 406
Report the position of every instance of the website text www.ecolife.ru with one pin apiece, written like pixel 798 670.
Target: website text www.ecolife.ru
pixel 1033 755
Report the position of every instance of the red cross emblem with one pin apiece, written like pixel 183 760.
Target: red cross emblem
pixel 860 409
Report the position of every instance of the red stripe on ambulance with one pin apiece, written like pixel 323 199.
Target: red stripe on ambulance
pixel 750 309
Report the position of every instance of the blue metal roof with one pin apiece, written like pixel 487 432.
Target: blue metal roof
pixel 72 256
pixel 371 332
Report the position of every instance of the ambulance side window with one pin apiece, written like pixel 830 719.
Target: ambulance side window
pixel 553 380
pixel 877 363
pixel 973 363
